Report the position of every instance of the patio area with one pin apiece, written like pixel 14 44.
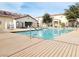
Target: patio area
pixel 16 45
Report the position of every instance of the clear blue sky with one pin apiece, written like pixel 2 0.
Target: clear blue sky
pixel 35 8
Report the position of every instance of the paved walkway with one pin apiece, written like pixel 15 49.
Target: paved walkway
pixel 12 45
pixel 19 30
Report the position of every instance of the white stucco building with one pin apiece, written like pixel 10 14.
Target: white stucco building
pixel 25 21
pixel 56 20
pixel 10 20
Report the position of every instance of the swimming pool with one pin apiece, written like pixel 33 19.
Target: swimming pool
pixel 47 34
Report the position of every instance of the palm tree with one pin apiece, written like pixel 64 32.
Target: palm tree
pixel 47 19
pixel 72 13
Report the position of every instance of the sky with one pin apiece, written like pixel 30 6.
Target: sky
pixel 35 8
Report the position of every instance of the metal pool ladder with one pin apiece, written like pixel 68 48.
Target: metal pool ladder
pixel 30 31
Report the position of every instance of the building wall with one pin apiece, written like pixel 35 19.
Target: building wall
pixel 40 21
pixel 4 21
pixel 61 18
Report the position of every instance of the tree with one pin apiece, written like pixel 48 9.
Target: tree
pixel 47 19
pixel 72 13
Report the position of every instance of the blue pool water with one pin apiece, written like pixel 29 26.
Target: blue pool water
pixel 47 34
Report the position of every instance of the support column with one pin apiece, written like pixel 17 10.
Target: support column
pixel 58 23
pixel 14 24
pixel 6 25
pixel 23 24
pixel 53 23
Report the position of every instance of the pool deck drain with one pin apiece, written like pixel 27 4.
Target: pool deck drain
pixel 15 45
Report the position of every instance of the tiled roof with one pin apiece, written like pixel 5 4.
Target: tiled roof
pixel 14 15
pixel 51 15
pixel 26 16
pixel 10 14
pixel 56 14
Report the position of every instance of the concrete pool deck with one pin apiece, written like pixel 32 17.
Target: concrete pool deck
pixel 16 45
